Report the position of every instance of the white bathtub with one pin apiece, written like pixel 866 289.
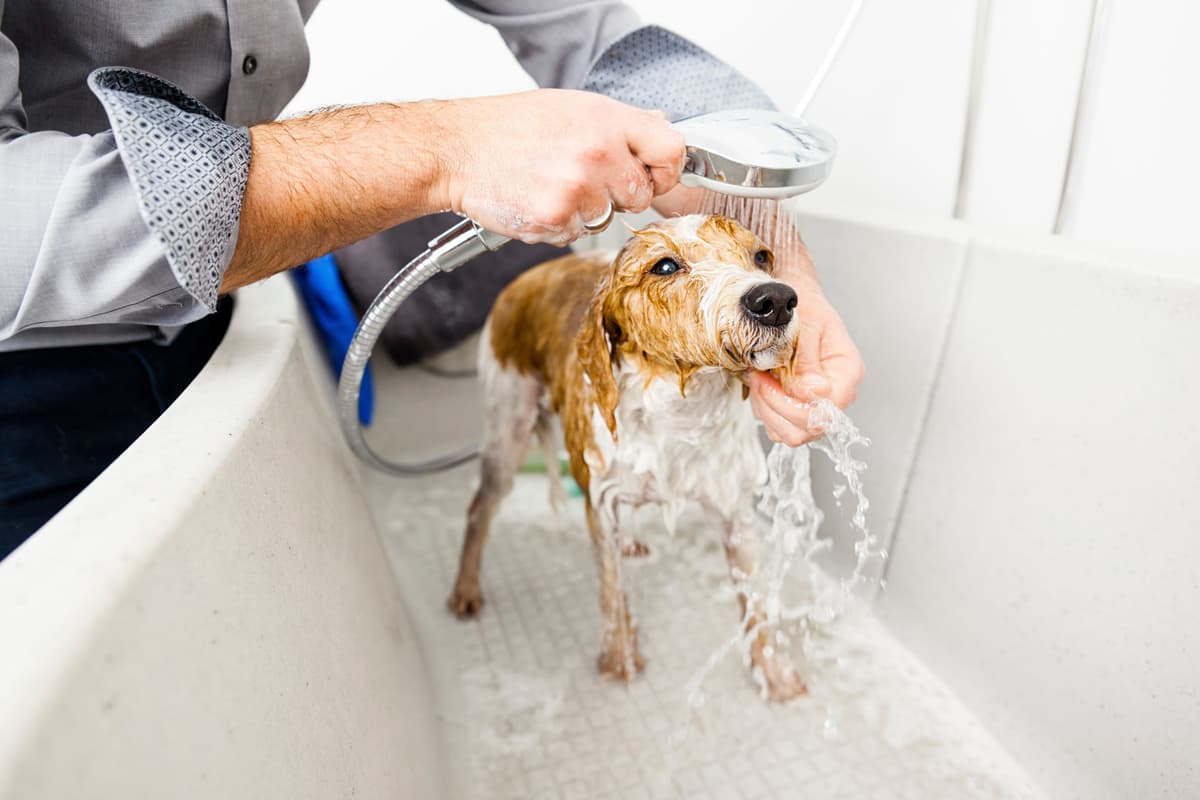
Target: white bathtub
pixel 216 615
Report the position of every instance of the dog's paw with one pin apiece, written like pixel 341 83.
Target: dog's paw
pixel 621 664
pixel 776 677
pixel 784 684
pixel 773 670
pixel 632 548
pixel 466 600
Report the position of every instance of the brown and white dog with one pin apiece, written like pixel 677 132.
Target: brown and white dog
pixel 643 358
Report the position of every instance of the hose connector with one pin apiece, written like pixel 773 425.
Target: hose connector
pixel 461 242
pixel 446 252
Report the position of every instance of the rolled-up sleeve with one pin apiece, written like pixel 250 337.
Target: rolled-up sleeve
pixel 131 225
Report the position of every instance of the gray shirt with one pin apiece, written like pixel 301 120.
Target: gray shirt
pixel 124 147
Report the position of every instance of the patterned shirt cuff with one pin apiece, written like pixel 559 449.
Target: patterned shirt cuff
pixel 188 169
pixel 652 67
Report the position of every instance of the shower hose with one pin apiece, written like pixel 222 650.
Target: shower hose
pixel 453 248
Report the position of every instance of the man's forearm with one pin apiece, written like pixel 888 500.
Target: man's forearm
pixel 321 182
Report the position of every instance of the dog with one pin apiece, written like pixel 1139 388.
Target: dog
pixel 643 358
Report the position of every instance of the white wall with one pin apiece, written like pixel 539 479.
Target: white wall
pixel 1030 77
pixel 897 100
pixel 1139 174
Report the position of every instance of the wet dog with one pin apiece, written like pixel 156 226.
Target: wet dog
pixel 643 358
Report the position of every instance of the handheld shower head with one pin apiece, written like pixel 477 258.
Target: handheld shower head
pixel 755 153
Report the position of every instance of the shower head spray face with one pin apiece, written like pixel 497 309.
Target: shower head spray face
pixel 755 153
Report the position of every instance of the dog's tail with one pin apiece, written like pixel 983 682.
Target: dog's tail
pixel 546 432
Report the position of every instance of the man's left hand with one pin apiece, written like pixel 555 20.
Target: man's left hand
pixel 826 364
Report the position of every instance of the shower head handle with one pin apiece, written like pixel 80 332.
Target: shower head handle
pixel 747 153
pixel 755 153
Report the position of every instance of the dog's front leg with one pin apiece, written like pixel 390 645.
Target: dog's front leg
pixel 619 656
pixel 771 668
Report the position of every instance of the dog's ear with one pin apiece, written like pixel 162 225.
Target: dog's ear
pixel 595 348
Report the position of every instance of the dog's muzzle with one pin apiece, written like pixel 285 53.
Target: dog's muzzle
pixel 770 304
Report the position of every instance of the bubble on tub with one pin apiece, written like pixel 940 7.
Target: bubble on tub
pixel 524 708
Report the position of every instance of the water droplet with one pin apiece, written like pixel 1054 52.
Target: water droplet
pixel 830 728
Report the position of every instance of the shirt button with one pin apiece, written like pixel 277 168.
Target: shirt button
pixel 249 65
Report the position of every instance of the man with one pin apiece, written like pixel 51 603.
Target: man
pixel 128 207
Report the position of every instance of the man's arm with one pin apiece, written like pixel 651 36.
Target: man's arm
pixel 146 222
pixel 555 41
pixel 320 182
pixel 533 166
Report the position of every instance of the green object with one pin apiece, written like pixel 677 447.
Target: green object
pixel 535 464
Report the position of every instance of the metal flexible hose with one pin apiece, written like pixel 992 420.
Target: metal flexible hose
pixel 447 252
pixel 450 250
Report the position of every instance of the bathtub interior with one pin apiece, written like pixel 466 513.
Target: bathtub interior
pixel 524 714
pixel 1036 504
pixel 263 617
pixel 523 709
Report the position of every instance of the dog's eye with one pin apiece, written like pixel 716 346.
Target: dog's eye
pixel 665 266
pixel 762 258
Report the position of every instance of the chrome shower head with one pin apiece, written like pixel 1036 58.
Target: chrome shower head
pixel 755 153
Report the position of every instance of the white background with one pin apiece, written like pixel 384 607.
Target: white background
pixel 896 100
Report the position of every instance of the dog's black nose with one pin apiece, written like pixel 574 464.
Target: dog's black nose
pixel 770 303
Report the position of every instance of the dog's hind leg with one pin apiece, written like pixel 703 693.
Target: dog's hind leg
pixel 619 656
pixel 509 417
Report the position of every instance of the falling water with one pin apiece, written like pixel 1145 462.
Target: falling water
pixel 790 539
pixel 768 219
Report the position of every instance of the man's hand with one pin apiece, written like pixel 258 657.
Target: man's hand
pixel 537 166
pixel 533 166
pixel 826 364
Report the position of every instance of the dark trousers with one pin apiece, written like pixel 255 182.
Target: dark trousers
pixel 67 413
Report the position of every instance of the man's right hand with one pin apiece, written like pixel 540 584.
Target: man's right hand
pixel 537 166
pixel 534 166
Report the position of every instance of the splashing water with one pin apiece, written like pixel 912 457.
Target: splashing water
pixel 786 500
pixel 840 436
pixel 790 540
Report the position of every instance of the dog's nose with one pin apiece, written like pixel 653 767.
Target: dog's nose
pixel 770 303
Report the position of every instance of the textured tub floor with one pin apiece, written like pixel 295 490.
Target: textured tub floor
pixel 525 714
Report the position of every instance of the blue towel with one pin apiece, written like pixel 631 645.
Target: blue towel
pixel 335 318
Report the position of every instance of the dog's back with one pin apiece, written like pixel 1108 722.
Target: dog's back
pixel 533 337
pixel 533 326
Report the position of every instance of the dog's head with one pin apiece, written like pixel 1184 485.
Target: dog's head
pixel 689 293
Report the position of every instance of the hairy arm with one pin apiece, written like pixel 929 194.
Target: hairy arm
pixel 320 182
pixel 532 166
